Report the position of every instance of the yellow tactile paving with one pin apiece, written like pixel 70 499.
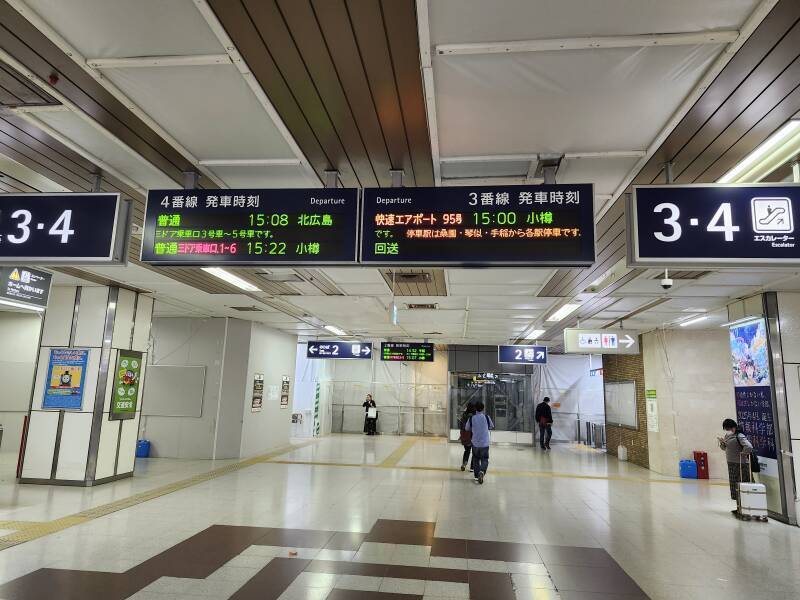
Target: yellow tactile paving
pixel 30 530
pixel 395 457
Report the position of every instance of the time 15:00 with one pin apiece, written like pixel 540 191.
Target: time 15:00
pixel 498 218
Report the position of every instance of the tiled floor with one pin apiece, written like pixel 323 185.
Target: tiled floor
pixel 383 518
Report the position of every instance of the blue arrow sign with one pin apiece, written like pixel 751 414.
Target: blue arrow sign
pixel 522 355
pixel 336 349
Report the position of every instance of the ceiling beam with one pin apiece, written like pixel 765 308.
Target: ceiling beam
pixel 424 34
pixel 197 60
pixel 592 43
pixel 251 162
pixel 536 156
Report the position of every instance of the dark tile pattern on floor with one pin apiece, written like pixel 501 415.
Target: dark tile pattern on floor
pixel 578 573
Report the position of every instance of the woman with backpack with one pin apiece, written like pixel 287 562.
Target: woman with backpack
pixel 739 454
pixel 466 436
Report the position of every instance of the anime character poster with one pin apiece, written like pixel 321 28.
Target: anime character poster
pixel 66 374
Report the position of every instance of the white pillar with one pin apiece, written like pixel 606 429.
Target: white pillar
pixel 75 440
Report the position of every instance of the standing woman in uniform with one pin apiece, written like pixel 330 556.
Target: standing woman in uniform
pixel 369 424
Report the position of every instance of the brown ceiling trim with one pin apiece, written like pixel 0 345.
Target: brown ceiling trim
pixel 16 91
pixel 736 73
pixel 20 39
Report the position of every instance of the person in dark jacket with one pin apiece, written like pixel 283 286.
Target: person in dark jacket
pixel 544 417
pixel 370 425
pixel 466 437
pixel 737 450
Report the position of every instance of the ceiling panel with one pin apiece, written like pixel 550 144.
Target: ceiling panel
pixel 510 302
pixel 514 276
pixel 210 110
pixel 140 28
pixel 472 289
pixel 265 177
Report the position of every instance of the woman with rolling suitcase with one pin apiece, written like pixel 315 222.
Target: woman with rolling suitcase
pixel 738 451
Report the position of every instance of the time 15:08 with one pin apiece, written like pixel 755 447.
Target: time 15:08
pixel 498 218
pixel 275 219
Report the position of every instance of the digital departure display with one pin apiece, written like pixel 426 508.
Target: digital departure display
pixel 530 225
pixel 714 225
pixel 241 227
pixel 407 351
pixel 63 228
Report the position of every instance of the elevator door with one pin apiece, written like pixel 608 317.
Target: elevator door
pixel 506 396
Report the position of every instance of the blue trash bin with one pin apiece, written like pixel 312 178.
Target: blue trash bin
pixel 142 449
pixel 688 469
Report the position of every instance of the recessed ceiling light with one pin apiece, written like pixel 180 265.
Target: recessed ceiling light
pixel 335 330
pixel 562 312
pixel 692 321
pixel 234 280
pixel 20 305
pixel 776 150
pixel 534 334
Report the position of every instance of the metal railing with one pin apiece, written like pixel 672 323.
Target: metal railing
pixel 392 420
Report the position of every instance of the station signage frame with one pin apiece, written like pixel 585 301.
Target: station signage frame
pixel 574 219
pixel 272 226
pixel 732 223
pixel 409 349
pixel 84 228
pixel 601 341
pixel 519 354
pixel 338 350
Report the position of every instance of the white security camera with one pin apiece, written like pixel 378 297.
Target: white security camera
pixel 666 283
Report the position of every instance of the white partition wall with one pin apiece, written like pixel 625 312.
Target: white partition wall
pixel 80 444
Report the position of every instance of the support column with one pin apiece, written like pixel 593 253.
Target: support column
pixel 83 423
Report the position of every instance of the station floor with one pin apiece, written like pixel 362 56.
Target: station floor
pixel 390 518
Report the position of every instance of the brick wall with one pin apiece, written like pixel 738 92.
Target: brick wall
pixel 627 367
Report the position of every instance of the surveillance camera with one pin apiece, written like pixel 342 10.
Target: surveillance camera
pixel 666 283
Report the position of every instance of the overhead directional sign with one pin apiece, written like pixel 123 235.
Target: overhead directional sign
pixel 522 355
pixel 241 227
pixel 338 349
pixel 63 228
pixel 714 225
pixel 407 351
pixel 525 225
pixel 601 341
pixel 23 285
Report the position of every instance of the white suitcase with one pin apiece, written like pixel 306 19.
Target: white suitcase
pixel 752 499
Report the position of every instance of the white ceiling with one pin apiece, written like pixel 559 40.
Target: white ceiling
pixel 564 101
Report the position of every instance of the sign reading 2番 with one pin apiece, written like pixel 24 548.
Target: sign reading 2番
pixel 63 228
pixel 714 225
pixel 522 355
pixel 240 227
pixel 526 225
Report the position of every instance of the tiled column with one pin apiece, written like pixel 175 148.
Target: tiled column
pixel 82 445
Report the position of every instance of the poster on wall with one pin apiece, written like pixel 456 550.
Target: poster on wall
pixel 651 404
pixel 258 392
pixel 285 391
pixel 66 374
pixel 752 385
pixel 126 385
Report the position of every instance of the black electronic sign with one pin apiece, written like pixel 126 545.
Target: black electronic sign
pixel 407 351
pixel 240 227
pixel 714 225
pixel 524 225
pixel 30 287
pixel 63 228
pixel 339 349
pixel 522 355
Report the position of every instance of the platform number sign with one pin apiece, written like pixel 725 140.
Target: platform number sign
pixel 713 225
pixel 63 228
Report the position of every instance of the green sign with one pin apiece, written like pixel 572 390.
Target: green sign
pixel 650 393
pixel 126 385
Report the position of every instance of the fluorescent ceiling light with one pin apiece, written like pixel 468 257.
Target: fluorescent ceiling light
pixel 534 334
pixel 776 150
pixel 693 321
pixel 231 278
pixel 335 330
pixel 20 305
pixel 563 312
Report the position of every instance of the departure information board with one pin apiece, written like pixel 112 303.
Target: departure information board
pixel 528 225
pixel 83 228
pixel 714 225
pixel 407 351
pixel 241 227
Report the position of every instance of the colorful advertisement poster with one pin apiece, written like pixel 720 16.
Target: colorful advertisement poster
pixel 126 385
pixel 258 392
pixel 752 385
pixel 66 374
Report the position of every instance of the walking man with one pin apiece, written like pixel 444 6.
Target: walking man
pixel 480 424
pixel 544 417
